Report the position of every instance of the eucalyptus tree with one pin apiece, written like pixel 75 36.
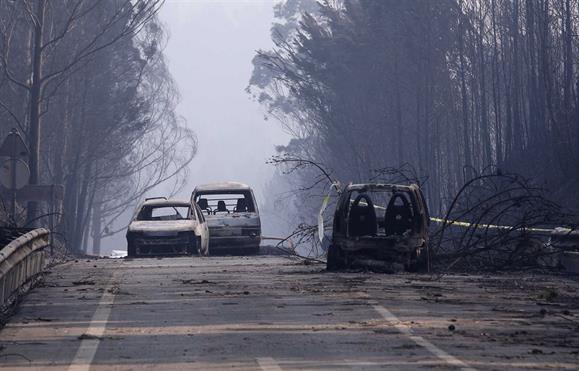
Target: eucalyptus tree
pixel 62 37
pixel 451 87
pixel 106 126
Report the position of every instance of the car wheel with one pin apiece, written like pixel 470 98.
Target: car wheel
pixel 199 245
pixel 202 253
pixel 336 259
pixel 253 251
pixel 131 250
pixel 192 248
pixel 418 261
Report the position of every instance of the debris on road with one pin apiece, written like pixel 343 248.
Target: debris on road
pixel 83 282
pixel 265 304
pixel 89 337
pixel 192 281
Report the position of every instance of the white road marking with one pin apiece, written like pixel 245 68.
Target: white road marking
pixel 92 337
pixel 268 364
pixel 353 363
pixel 406 330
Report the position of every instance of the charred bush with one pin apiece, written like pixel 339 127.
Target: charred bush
pixel 497 222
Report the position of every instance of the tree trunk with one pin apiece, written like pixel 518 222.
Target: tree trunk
pixel 35 98
pixel 97 223
pixel 464 97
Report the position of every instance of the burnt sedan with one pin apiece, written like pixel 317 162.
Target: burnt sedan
pixel 162 227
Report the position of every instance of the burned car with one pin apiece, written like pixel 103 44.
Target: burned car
pixel 232 216
pixel 380 225
pixel 162 227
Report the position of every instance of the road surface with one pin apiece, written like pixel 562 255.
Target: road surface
pixel 273 313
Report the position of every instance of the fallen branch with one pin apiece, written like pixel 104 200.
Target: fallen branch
pixel 496 222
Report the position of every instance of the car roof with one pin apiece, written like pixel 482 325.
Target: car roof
pixel 222 186
pixel 380 186
pixel 164 202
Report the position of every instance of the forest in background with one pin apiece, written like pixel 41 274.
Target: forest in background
pixel 86 84
pixel 448 89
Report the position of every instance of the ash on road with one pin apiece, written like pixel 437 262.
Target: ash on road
pixel 272 313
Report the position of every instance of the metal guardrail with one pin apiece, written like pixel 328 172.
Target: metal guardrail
pixel 565 238
pixel 21 260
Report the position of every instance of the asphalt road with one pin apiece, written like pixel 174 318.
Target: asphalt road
pixel 272 313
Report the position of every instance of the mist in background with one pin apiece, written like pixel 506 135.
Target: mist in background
pixel 209 54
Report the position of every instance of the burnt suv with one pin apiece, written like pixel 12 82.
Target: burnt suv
pixel 232 216
pixel 384 224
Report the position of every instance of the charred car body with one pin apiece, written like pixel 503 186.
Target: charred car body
pixel 381 223
pixel 162 227
pixel 232 216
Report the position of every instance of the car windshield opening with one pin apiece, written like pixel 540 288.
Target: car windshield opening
pixel 164 212
pixel 225 202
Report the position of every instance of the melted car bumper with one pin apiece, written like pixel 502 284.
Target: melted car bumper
pixel 233 242
pixel 161 250
pixel 179 244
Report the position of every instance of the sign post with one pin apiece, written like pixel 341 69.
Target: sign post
pixel 15 178
pixel 14 172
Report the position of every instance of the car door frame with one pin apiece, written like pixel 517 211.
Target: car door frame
pixel 202 230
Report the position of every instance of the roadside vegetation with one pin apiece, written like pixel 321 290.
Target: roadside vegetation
pixel 86 84
pixel 482 94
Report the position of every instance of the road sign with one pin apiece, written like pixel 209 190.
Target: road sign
pixel 14 174
pixel 13 146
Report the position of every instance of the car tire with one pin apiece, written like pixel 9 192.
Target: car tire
pixel 336 259
pixel 200 251
pixel 131 250
pixel 418 261
pixel 253 251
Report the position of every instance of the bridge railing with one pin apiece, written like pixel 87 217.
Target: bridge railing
pixel 21 260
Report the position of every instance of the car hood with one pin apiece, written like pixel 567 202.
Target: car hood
pixel 162 225
pixel 233 220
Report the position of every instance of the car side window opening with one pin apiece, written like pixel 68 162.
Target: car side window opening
pixel 219 202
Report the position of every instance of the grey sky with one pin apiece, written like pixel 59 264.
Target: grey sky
pixel 209 55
